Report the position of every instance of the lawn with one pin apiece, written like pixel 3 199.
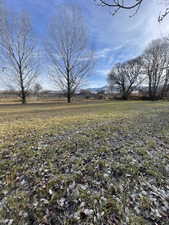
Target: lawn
pixel 100 163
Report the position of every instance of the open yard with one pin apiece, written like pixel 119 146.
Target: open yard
pixel 102 163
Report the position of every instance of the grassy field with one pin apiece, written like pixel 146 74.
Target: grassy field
pixel 101 163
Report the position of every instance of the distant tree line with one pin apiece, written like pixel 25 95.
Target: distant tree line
pixel 150 70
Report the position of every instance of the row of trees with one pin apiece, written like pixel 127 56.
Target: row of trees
pixel 150 69
pixel 69 57
pixel 66 51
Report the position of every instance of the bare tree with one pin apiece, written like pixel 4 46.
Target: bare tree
pixel 126 77
pixel 37 88
pixel 155 65
pixel 18 52
pixel 67 48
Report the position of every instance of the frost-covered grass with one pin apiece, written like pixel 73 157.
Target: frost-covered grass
pixel 102 163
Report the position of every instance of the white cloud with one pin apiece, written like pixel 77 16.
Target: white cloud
pixel 102 53
pixel 103 72
pixel 96 84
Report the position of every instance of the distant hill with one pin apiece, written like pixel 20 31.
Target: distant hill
pixel 95 90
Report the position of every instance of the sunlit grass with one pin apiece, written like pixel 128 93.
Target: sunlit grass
pixel 18 119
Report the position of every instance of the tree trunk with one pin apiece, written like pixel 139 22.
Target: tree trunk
pixel 68 97
pixel 150 88
pixel 68 91
pixel 68 87
pixel 23 94
pixel 125 96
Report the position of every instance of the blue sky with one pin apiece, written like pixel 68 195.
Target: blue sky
pixel 114 38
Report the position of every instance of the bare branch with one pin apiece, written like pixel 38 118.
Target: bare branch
pixel 116 5
pixel 120 4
